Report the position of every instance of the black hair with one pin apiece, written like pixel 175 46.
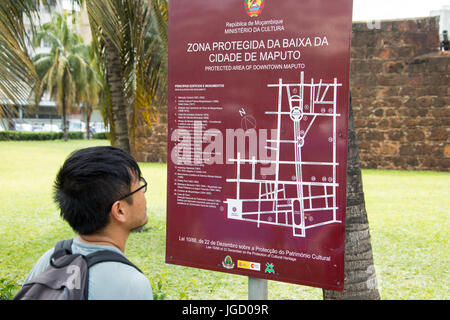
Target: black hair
pixel 88 184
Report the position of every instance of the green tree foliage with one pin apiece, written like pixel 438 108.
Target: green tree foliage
pixel 65 71
pixel 17 74
pixel 130 38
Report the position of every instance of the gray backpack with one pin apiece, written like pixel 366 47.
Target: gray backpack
pixel 67 276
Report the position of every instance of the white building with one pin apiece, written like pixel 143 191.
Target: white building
pixel 444 21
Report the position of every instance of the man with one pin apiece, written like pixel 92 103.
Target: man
pixel 100 193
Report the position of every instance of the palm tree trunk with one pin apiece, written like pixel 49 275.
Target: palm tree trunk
pixel 88 120
pixel 118 103
pixel 360 279
pixel 64 113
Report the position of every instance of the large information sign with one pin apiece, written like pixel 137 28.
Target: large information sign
pixel 257 140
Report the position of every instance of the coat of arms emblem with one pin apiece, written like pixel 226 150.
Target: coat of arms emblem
pixel 254 7
pixel 228 263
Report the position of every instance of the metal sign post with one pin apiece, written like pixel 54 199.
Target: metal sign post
pixel 257 289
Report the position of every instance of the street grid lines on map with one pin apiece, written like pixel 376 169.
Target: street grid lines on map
pixel 301 202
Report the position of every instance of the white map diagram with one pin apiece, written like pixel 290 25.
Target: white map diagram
pixel 301 194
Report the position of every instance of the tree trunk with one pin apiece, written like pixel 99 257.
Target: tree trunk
pixel 360 279
pixel 118 103
pixel 88 120
pixel 64 113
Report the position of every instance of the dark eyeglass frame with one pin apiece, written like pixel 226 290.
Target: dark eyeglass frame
pixel 138 189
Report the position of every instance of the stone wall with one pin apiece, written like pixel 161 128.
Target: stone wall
pixel 400 94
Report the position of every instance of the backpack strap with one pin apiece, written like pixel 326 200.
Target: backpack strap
pixel 108 256
pixel 65 246
pixel 62 248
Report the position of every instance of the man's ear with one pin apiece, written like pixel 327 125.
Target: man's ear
pixel 117 211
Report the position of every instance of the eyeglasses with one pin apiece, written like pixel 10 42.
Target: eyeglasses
pixel 144 186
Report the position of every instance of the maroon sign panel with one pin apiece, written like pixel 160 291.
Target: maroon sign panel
pixel 257 144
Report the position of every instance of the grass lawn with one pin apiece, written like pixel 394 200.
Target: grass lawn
pixel 408 216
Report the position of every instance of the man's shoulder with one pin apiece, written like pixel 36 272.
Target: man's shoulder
pixel 107 280
pixel 116 280
pixel 112 279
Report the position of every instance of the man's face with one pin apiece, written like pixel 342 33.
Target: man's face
pixel 138 208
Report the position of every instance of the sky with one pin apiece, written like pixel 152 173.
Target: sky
pixel 395 9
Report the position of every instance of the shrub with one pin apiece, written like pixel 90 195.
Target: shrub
pixel 100 135
pixel 8 289
pixel 27 136
pixel 77 135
